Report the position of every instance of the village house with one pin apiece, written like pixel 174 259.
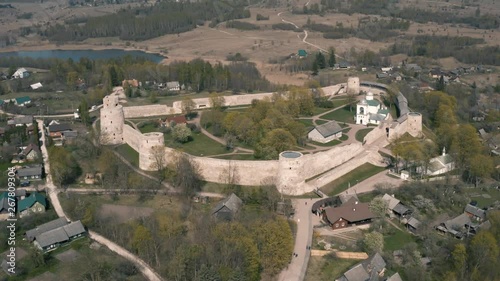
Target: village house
pixel 21 73
pixel 456 226
pixel 30 173
pixel 31 152
pixel 371 269
pixel 173 120
pixel 326 132
pixel 22 101
pixel 35 203
pixel 413 224
pixel 173 86
pixel 49 236
pixel 56 130
pixel 69 136
pixel 475 213
pixel 370 111
pixel 227 208
pixel 21 121
pixel 301 53
pixel 4 205
pixel 348 214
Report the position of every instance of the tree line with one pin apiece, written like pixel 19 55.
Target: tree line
pixel 146 22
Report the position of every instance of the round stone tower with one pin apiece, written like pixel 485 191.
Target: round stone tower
pixel 289 172
pixel 151 158
pixel 112 121
pixel 353 86
pixel 414 124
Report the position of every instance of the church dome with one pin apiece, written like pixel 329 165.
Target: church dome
pixel 369 96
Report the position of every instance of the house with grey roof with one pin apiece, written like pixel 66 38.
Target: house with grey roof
pixel 22 121
pixel 371 269
pixel 475 213
pixel 50 240
pixel 456 226
pixel 5 200
pixel 173 86
pixel 227 208
pixel 394 277
pixel 30 173
pixel 413 224
pixel 32 233
pixel 326 132
pixel 441 164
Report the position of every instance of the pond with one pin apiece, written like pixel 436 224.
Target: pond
pixel 77 54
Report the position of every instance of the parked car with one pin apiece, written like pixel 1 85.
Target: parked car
pixel 25 183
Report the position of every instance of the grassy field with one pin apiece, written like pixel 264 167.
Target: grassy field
pixel 332 143
pixel 320 122
pixel 148 128
pixel 358 175
pixel 201 145
pixel 397 240
pixel 341 115
pixel 306 122
pixel 129 153
pixel 360 135
pixel 484 197
pixel 327 268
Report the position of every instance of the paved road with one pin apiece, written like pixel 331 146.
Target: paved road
pixel 52 190
pixel 296 270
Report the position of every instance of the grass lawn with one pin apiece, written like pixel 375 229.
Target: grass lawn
pixel 129 153
pixel 149 128
pixel 397 240
pixel 306 122
pixel 327 268
pixel 341 115
pixel 358 175
pixel 319 110
pixel 478 194
pixel 320 122
pixel 344 137
pixel 332 143
pixel 200 145
pixel 360 135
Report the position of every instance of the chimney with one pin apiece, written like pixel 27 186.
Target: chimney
pixel 444 151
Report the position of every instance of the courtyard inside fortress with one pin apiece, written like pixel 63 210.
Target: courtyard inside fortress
pixel 294 173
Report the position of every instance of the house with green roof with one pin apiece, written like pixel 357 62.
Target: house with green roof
pixel 370 111
pixel 35 203
pixel 22 101
pixel 302 53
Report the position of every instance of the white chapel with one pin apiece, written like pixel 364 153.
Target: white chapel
pixel 370 111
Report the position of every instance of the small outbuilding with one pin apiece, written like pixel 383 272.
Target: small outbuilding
pixel 227 208
pixel 326 132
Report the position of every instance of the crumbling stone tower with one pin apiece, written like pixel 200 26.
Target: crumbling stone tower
pixel 112 121
pixel 353 86
pixel 414 124
pixel 151 159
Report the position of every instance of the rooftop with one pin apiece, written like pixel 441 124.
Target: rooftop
pixel 30 171
pixel 351 211
pixel 29 201
pixel 32 233
pixel 328 129
pixel 59 127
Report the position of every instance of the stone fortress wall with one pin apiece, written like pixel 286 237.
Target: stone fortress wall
pixel 289 173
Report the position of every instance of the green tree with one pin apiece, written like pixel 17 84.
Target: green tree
pixel 320 59
pixel 187 105
pixel 64 168
pixel 440 85
pixel 277 141
pixel 466 145
pixel 83 110
pixel 459 256
pixel 378 206
pixel 181 133
pixel 373 242
pixel 331 57
pixel 207 273
pixel 315 68
pixel 113 76
pixel 141 239
pixel 483 254
pixel 481 166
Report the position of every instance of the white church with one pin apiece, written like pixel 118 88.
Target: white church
pixel 370 111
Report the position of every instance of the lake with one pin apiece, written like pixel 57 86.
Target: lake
pixel 77 54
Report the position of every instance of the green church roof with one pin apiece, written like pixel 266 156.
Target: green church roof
pixel 373 102
pixel 29 201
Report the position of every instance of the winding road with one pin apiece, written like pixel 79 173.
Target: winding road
pixel 52 191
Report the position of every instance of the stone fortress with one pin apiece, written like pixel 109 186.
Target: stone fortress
pixel 293 173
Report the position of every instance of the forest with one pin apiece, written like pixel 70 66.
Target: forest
pixel 462 48
pixel 389 9
pixel 146 22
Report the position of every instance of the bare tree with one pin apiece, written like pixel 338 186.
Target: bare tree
pixel 159 160
pixel 187 175
pixel 230 175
